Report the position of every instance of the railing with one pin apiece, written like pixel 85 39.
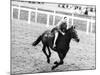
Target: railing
pixel 54 13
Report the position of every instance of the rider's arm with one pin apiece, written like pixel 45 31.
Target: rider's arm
pixel 61 32
pixel 58 28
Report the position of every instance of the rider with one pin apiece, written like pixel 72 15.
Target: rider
pixel 59 28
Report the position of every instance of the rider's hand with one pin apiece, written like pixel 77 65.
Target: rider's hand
pixel 63 33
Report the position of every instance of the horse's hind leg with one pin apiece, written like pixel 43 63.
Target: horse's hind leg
pixel 49 55
pixel 44 50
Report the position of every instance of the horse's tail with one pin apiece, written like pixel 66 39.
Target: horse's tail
pixel 37 41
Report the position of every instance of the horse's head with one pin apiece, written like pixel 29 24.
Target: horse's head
pixel 73 33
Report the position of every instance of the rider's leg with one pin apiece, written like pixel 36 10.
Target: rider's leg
pixel 56 36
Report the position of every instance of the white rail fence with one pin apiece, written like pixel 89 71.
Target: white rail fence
pixel 89 22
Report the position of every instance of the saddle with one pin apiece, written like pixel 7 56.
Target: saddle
pixel 49 34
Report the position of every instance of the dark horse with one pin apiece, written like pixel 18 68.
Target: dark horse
pixel 62 44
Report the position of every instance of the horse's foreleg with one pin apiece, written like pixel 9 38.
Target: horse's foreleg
pixel 58 63
pixel 61 56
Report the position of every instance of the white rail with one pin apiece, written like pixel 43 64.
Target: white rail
pixel 54 14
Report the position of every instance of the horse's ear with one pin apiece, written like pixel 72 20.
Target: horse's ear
pixel 74 27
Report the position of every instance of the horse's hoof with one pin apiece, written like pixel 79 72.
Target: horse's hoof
pixel 48 61
pixel 55 62
pixel 34 44
pixel 61 63
pixel 53 67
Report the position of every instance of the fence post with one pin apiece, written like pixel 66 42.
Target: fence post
pixel 19 13
pixel 91 27
pixel 54 18
pixel 36 16
pixel 87 28
pixel 12 12
pixel 72 18
pixel 91 24
pixel 29 16
pixel 68 22
pixel 47 20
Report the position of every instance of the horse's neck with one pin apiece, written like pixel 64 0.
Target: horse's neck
pixel 68 38
pixel 63 39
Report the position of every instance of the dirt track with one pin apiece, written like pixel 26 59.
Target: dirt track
pixel 29 59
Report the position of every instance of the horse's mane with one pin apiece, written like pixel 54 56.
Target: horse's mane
pixel 70 28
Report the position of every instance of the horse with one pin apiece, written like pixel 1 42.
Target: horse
pixel 62 44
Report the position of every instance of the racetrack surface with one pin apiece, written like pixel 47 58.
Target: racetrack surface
pixel 28 59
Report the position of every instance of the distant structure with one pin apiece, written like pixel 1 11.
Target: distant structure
pixel 84 10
